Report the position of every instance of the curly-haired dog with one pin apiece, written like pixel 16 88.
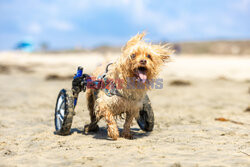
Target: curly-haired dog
pixel 140 60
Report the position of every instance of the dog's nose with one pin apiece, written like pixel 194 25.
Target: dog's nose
pixel 143 61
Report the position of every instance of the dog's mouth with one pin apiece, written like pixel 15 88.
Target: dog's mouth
pixel 141 74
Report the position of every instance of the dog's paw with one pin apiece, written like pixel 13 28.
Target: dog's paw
pixel 127 136
pixel 91 128
pixel 113 136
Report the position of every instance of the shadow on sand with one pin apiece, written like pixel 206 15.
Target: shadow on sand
pixel 102 133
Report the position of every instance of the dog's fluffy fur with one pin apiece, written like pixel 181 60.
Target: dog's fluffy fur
pixel 140 60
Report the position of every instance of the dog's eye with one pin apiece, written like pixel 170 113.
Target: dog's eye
pixel 132 56
pixel 149 56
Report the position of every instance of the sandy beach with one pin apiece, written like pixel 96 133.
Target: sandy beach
pixel 197 90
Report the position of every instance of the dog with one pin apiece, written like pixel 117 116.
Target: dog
pixel 140 60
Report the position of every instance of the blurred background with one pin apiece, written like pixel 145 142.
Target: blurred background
pixel 201 115
pixel 40 25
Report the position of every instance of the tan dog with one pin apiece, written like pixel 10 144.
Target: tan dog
pixel 139 60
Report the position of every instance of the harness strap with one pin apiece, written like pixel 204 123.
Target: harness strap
pixel 112 89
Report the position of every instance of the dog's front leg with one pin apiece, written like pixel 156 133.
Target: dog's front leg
pixel 112 126
pixel 126 129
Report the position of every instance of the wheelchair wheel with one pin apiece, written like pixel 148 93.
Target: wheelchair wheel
pixel 64 112
pixel 146 118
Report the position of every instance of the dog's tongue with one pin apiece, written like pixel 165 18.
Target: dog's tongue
pixel 142 76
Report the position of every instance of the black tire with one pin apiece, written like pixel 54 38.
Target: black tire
pixel 64 112
pixel 146 118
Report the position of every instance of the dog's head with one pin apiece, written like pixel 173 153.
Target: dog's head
pixel 143 60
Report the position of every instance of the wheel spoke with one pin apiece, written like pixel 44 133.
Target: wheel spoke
pixel 62 104
pixel 61 112
pixel 60 117
pixel 61 101
pixel 58 122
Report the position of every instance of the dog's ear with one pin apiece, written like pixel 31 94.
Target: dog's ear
pixel 164 51
pixel 165 58
pixel 134 40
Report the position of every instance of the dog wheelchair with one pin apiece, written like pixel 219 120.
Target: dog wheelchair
pixel 67 100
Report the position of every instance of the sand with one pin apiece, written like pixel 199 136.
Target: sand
pixel 185 133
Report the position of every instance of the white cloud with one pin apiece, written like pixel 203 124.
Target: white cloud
pixel 242 5
pixel 60 25
pixel 34 28
pixel 159 21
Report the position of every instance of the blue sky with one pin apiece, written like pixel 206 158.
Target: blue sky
pixel 89 23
